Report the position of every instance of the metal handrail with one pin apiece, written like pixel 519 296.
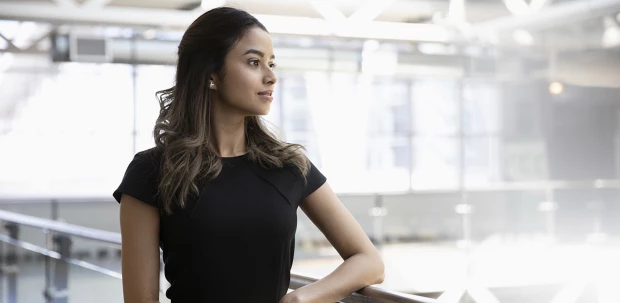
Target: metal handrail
pixel 490 187
pixel 55 255
pixel 543 185
pixel 61 227
pixel 367 294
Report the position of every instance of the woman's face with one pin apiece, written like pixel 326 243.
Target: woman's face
pixel 249 80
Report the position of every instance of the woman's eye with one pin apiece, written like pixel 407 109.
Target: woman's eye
pixel 254 62
pixel 272 65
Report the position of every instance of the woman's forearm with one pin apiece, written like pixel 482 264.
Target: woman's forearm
pixel 357 272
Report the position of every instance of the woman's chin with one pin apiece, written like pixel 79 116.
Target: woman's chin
pixel 264 111
pixel 259 113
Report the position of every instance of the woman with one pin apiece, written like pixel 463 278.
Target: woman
pixel 219 193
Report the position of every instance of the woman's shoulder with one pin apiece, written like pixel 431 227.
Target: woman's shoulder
pixel 150 156
pixel 141 177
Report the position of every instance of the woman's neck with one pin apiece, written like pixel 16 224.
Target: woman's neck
pixel 229 135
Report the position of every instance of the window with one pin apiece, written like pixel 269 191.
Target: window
pixel 72 123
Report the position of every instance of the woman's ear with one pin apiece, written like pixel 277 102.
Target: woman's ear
pixel 213 80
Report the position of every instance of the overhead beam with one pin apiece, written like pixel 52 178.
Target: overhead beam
pixel 173 19
pixel 10 46
pixel 35 43
pixel 456 12
pixel 95 4
pixel 371 10
pixel 206 5
pixel 65 3
pixel 552 16
pixel 328 11
pixel 521 7
pixel 119 16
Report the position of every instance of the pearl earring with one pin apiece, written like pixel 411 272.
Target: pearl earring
pixel 211 85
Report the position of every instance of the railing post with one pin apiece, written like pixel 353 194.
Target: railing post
pixel 464 209
pixel 1 272
pixel 378 212
pixel 58 289
pixel 597 207
pixel 49 244
pixel 549 208
pixel 9 268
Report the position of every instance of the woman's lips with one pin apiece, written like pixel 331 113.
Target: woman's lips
pixel 266 95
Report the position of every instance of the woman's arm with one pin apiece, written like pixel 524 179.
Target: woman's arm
pixel 362 263
pixel 140 251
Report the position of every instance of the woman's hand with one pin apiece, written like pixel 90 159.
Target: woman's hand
pixel 291 297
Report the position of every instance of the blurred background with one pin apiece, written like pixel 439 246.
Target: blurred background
pixel 476 141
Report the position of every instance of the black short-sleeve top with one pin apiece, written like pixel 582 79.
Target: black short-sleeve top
pixel 235 241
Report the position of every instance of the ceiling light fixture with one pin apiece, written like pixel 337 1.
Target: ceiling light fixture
pixel 556 88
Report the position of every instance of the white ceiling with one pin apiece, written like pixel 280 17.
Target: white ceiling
pixel 399 11
pixel 413 20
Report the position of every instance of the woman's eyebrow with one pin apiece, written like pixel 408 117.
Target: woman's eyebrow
pixel 257 52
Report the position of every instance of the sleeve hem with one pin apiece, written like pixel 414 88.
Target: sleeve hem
pixel 312 189
pixel 118 194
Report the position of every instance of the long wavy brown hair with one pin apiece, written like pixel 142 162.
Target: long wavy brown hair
pixel 183 131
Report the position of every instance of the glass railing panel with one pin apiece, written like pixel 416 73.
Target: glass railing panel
pixel 22 276
pixel 544 245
